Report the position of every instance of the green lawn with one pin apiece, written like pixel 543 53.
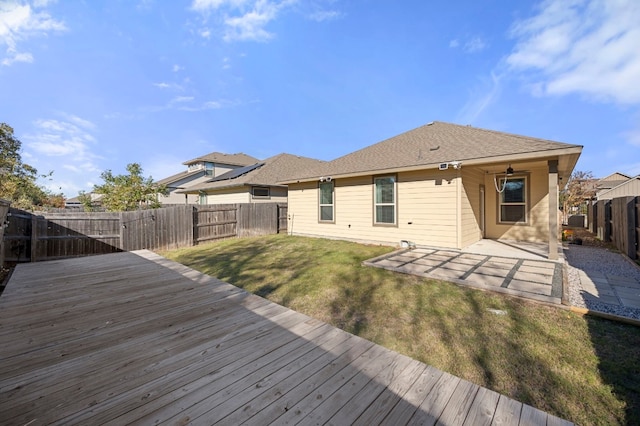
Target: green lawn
pixel 580 368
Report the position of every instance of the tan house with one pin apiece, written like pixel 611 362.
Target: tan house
pixel 441 185
pixel 627 188
pixel 255 183
pixel 200 170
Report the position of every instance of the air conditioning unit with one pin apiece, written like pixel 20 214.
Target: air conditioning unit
pixel 443 166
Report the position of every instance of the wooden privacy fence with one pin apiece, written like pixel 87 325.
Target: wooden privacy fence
pixel 617 221
pixel 238 220
pixel 29 237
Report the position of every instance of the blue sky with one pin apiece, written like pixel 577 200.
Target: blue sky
pixel 94 85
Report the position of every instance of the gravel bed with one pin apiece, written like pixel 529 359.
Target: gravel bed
pixel 598 260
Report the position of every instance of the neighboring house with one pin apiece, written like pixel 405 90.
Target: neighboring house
pixel 255 183
pixel 606 184
pixel 72 203
pixel 441 185
pixel 627 188
pixel 200 170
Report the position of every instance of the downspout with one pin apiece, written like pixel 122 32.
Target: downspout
pixel 458 209
pixel 553 209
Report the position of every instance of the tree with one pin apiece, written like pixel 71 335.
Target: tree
pixel 579 189
pixel 17 179
pixel 86 201
pixel 129 191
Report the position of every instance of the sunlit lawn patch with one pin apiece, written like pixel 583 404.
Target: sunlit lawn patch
pixel 582 369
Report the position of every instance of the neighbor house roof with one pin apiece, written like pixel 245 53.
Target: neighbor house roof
pixel 435 143
pixel 178 176
pixel 611 181
pixel 265 173
pixel 239 159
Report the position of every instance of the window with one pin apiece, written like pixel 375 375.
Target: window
pixel 203 199
pixel 385 200
pixel 260 192
pixel 208 169
pixel 325 202
pixel 513 200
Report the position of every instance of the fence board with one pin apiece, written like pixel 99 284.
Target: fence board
pixel 623 225
pixel 604 220
pixel 283 218
pixel 215 222
pixel 637 226
pixel 30 237
pixel 593 217
pixel 4 210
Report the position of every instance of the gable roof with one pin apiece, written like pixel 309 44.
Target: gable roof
pixel 435 143
pixel 265 173
pixel 613 180
pixel 615 176
pixel 178 176
pixel 239 159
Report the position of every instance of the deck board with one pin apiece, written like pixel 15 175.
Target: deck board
pixel 133 338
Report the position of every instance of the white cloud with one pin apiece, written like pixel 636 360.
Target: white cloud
pixel 180 99
pixel 472 45
pixel 177 68
pixel 242 20
pixel 20 21
pixel 189 104
pixel 69 139
pixel 588 47
pixel 475 44
pixel 325 15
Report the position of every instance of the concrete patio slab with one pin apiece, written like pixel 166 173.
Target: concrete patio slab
pixel 532 276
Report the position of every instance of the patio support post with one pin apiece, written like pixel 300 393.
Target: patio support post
pixel 553 209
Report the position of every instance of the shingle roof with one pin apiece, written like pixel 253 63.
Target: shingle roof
pixel 178 176
pixel 430 144
pixel 275 169
pixel 239 159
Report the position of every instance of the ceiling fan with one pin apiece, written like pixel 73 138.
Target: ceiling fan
pixel 507 174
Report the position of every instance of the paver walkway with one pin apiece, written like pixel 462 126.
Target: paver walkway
pixel 534 279
pixel 604 277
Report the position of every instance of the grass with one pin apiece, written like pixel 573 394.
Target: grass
pixel 579 368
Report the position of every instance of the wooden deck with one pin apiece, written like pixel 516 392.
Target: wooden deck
pixel 134 338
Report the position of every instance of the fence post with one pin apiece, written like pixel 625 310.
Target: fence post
pixel 121 231
pixel 4 210
pixel 34 237
pixel 630 222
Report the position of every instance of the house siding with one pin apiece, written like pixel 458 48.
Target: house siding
pixel 277 195
pixel 425 208
pixel 243 195
pixel 630 188
pixel 229 196
pixel 472 180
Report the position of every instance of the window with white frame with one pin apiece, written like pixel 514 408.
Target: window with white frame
pixel 260 192
pixel 326 202
pixel 513 200
pixel 203 199
pixel 385 200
